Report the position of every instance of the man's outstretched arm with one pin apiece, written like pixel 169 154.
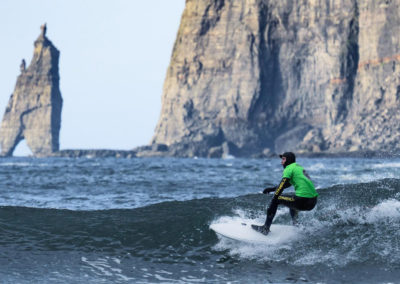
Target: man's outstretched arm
pixel 278 189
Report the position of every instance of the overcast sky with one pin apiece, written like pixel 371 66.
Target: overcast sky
pixel 113 62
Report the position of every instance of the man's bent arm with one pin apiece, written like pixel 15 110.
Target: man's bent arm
pixel 284 184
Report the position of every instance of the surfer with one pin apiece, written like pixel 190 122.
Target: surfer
pixel 304 199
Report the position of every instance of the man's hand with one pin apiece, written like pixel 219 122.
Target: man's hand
pixel 269 189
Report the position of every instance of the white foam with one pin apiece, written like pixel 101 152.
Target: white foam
pixel 19 164
pixel 316 167
pixel 228 157
pixel 250 251
pixel 386 165
pixel 332 257
pixel 368 177
pixel 265 250
pixel 244 214
pixel 349 177
pixel 162 278
pixel 388 209
pixel 257 218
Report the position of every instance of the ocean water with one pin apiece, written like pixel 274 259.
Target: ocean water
pixel 147 221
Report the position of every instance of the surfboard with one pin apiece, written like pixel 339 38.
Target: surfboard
pixel 239 229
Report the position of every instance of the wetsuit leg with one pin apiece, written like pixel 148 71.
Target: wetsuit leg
pixel 271 211
pixel 294 213
pixel 292 203
pixel 295 203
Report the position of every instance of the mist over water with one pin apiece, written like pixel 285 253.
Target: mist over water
pixel 147 220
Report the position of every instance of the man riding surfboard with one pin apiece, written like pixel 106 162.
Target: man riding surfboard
pixel 304 199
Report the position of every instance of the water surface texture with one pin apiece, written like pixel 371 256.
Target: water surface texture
pixel 147 221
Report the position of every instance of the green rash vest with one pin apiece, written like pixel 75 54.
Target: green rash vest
pixel 298 177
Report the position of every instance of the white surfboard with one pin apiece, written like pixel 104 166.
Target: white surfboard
pixel 239 229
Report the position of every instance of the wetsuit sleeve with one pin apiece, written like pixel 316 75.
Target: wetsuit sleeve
pixel 269 189
pixel 284 184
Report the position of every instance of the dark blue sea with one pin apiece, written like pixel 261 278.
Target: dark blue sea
pixel 90 220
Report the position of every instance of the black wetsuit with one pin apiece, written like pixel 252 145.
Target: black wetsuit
pixel 295 203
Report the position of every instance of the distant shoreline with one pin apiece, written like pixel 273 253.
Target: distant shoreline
pixel 148 152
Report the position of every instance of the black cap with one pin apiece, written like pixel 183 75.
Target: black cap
pixel 290 157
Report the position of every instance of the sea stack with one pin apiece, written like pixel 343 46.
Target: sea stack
pixel 256 77
pixel 33 112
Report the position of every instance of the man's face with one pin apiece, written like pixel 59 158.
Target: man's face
pixel 283 161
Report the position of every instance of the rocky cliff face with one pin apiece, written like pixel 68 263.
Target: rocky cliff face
pixel 372 121
pixel 258 76
pixel 34 109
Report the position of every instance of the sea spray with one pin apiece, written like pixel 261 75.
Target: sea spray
pixel 147 220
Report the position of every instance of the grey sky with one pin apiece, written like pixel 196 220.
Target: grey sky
pixel 113 62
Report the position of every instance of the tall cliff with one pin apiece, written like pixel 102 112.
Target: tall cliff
pixel 253 76
pixel 33 112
